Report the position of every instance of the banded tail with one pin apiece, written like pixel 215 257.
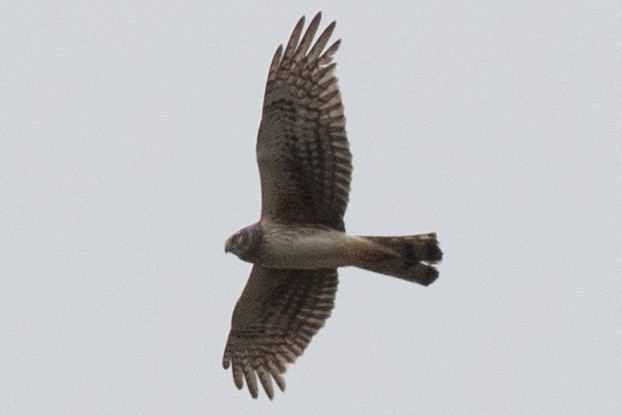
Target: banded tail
pixel 415 255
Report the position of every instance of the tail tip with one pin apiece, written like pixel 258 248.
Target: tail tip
pixel 428 275
pixel 432 252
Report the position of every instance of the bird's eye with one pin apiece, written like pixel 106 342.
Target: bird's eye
pixel 239 238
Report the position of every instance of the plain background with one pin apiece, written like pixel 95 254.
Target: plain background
pixel 127 158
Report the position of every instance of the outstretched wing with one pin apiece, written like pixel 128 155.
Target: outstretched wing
pixel 273 322
pixel 302 149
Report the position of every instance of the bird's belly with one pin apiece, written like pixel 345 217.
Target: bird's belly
pixel 306 249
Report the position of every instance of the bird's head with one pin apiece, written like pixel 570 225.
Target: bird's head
pixel 244 243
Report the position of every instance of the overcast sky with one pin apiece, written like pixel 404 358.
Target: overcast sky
pixel 127 158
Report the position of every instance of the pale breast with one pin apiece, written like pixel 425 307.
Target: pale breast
pixel 305 247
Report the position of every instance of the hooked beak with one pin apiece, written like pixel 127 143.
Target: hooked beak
pixel 228 246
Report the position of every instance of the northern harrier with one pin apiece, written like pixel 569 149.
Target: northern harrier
pixel 300 240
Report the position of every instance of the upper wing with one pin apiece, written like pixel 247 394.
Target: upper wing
pixel 302 149
pixel 273 321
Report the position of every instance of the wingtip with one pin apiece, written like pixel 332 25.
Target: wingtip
pixel 301 21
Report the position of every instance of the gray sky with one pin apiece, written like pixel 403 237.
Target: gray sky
pixel 127 158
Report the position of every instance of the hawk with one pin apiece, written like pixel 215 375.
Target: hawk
pixel 305 167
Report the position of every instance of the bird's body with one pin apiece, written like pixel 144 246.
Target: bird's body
pixel 308 247
pixel 296 247
pixel 303 246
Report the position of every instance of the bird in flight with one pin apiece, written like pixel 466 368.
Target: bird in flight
pixel 305 168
